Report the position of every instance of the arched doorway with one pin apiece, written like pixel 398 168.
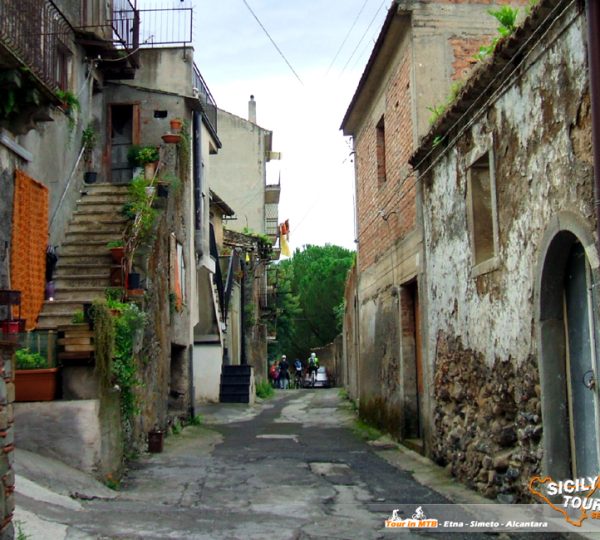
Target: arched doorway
pixel 568 368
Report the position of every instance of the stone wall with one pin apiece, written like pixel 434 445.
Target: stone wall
pixel 484 324
pixel 7 475
pixel 487 420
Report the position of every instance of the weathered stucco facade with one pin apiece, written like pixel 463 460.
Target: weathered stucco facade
pixel 422 47
pixel 499 328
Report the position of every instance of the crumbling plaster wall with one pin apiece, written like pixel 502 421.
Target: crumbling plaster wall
pixel 481 330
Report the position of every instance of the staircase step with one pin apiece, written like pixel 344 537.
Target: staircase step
pixel 66 270
pixel 93 235
pixel 234 398
pixel 80 294
pixel 99 260
pixel 66 282
pixel 63 307
pixel 235 379
pixel 118 198
pixel 53 321
pixel 105 187
pixel 237 370
pixel 108 207
pixel 84 224
pixel 92 247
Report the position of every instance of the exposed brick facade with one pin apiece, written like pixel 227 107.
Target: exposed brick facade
pixel 395 196
pixel 464 51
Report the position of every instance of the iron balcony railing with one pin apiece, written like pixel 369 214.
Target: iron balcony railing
pixel 32 31
pixel 124 22
pixel 201 91
pixel 166 26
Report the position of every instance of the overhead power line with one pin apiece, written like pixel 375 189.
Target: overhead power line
pixel 362 37
pixel 273 42
pixel 347 36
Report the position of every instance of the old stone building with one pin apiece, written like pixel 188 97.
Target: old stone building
pixel 511 262
pixel 422 48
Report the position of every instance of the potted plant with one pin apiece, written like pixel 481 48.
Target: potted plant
pixel 35 380
pixel 88 142
pixel 117 250
pixel 176 124
pixel 171 138
pixel 147 157
pixel 69 101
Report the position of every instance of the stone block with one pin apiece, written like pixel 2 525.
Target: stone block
pixel 9 479
pixel 3 418
pixel 10 392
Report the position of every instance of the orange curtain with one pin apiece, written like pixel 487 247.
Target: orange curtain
pixel 28 245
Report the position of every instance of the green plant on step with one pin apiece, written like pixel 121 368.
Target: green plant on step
pixel 140 155
pixel 78 317
pixel 30 360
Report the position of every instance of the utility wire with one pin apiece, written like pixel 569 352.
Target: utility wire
pixel 347 36
pixel 273 42
pixel 362 37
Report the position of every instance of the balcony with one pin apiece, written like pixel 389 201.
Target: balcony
pixel 32 33
pixel 113 38
pixel 207 102
pixel 34 40
pixel 272 193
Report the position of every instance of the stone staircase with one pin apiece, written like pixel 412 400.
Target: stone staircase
pixel 237 384
pixel 84 262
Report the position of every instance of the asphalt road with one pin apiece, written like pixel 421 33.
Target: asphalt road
pixel 295 470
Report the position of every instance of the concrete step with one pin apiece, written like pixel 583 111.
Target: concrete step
pixel 78 259
pixel 86 236
pixel 80 294
pixel 105 187
pixel 52 322
pixel 67 282
pixel 91 247
pixel 63 307
pixel 94 206
pixel 65 270
pixel 115 225
pixel 108 197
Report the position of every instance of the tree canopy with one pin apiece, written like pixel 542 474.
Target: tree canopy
pixel 310 296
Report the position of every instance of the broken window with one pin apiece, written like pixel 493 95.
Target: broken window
pixel 482 211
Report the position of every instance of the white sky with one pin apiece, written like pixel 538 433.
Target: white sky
pixel 237 59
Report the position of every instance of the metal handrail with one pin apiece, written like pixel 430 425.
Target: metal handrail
pixel 207 101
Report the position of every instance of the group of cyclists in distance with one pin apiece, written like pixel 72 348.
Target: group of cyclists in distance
pixel 280 374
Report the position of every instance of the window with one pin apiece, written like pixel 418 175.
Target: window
pixel 380 133
pixel 481 196
pixel 63 59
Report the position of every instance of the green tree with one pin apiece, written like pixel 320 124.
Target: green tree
pixel 310 289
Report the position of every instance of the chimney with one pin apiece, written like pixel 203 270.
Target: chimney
pixel 252 110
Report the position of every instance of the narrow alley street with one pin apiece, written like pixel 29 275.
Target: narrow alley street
pixel 289 468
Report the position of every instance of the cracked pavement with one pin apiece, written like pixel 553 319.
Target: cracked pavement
pixel 290 468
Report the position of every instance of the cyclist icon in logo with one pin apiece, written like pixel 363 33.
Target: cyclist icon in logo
pixel 419 514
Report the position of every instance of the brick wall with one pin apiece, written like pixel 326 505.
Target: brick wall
pixel 396 195
pixel 464 50
pixel 7 475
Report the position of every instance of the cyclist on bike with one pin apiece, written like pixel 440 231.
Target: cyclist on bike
pixel 298 368
pixel 313 366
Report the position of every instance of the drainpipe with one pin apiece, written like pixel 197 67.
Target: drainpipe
pixel 593 17
pixel 243 359
pixel 198 180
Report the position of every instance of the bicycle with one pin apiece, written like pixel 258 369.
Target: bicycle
pixel 298 379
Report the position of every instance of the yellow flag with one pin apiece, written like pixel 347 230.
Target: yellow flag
pixel 285 247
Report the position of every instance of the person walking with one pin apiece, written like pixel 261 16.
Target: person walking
pixel 284 376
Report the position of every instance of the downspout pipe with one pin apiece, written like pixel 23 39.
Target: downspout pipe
pixel 198 180
pixel 593 19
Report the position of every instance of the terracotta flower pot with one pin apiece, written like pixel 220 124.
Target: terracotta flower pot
pixel 117 254
pixel 176 124
pixel 35 384
pixel 149 170
pixel 171 138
